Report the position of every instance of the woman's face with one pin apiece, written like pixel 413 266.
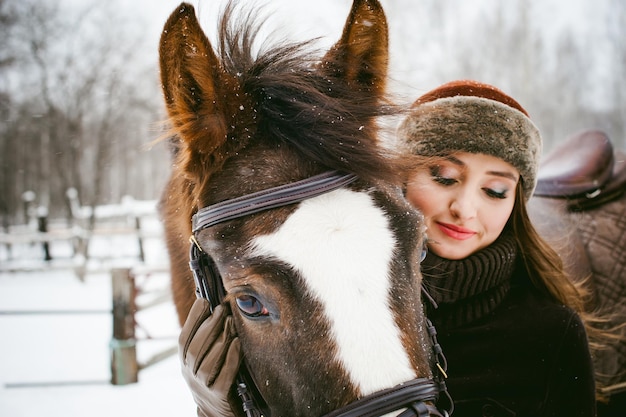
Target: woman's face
pixel 466 200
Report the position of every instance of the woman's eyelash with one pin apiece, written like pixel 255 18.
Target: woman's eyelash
pixel 435 173
pixel 443 180
pixel 495 194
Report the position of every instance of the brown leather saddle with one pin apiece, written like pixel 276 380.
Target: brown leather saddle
pixel 584 170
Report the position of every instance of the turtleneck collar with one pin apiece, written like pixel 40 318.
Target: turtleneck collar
pixel 470 288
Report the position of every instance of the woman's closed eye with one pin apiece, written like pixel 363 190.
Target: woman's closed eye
pixel 443 180
pixel 497 194
pixel 440 177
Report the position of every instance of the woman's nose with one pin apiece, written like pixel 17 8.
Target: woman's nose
pixel 463 207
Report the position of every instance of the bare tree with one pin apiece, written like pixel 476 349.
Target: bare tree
pixel 616 33
pixel 560 77
pixel 88 94
pixel 78 96
pixel 8 57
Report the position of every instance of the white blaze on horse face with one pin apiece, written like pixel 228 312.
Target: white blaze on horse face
pixel 342 245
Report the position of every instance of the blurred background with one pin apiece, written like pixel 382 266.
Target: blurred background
pixel 80 99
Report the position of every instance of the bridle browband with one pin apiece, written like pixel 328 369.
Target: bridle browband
pixel 268 199
pixel 417 396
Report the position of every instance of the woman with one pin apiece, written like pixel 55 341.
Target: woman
pixel 507 315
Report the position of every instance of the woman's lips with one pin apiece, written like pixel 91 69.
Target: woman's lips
pixel 456 232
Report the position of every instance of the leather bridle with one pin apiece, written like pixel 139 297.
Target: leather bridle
pixel 417 396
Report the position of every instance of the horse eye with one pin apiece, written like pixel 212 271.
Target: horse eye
pixel 251 307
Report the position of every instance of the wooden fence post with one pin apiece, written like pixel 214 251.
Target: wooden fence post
pixel 28 198
pixel 142 254
pixel 124 367
pixel 42 227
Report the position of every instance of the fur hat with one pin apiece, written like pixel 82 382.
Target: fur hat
pixel 468 116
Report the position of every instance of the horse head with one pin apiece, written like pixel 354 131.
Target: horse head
pixel 324 290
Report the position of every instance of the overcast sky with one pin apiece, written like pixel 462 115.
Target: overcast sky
pixel 414 67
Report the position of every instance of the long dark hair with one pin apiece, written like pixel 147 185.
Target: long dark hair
pixel 547 273
pixel 544 265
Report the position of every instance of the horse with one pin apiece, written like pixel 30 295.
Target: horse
pixel 296 216
pixel 580 207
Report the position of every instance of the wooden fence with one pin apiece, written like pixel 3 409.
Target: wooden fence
pixel 127 218
pixel 125 366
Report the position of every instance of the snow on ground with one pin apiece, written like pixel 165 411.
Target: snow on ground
pixel 55 332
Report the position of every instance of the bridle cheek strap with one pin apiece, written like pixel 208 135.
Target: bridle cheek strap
pixel 205 274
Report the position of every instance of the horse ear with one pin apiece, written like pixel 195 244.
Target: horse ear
pixel 361 56
pixel 190 76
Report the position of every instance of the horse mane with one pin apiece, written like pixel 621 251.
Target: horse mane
pixel 301 100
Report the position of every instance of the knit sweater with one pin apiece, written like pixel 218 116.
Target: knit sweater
pixel 511 351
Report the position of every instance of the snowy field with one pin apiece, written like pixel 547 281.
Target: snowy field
pixel 56 329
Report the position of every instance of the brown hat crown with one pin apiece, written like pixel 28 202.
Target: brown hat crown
pixel 470 88
pixel 469 116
